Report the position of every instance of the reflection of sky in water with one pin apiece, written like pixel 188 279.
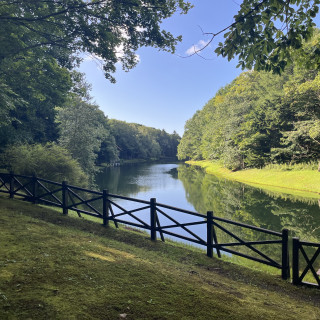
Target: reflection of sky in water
pixel 145 181
pixel 157 181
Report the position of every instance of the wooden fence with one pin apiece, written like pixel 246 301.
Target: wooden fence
pixel 298 250
pixel 159 219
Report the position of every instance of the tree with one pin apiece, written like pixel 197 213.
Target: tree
pixel 301 141
pixel 265 33
pixel 111 30
pixel 81 131
pixel 260 118
pixel 189 146
pixel 31 87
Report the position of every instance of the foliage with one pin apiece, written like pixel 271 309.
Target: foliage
pixel 302 97
pixel 266 33
pixel 109 30
pixel 189 146
pixel 259 118
pixel 44 41
pixel 136 141
pixel 81 131
pixel 310 166
pixel 31 88
pixel 48 161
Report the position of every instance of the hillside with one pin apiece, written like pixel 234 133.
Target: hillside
pixel 260 118
pixel 59 267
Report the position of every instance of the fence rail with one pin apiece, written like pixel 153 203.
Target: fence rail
pixel 159 219
pixel 298 274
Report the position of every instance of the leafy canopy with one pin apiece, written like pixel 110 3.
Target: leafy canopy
pixel 111 30
pixel 265 32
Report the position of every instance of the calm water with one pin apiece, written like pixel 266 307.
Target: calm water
pixel 190 188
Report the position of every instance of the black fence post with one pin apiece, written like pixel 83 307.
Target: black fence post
pixel 105 208
pixel 215 239
pixel 34 189
pixel 65 197
pixel 209 234
pixel 153 219
pixel 295 261
pixel 11 184
pixel 285 272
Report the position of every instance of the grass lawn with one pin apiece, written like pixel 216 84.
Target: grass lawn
pixel 305 183
pixel 60 267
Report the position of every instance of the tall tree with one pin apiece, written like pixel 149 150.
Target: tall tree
pixel 189 147
pixel 301 140
pixel 81 131
pixel 32 86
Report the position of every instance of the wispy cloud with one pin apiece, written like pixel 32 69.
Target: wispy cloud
pixel 196 47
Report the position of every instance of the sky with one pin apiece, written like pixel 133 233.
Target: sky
pixel 165 90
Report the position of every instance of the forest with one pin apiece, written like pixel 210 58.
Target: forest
pixel 63 124
pixel 261 117
pixel 49 124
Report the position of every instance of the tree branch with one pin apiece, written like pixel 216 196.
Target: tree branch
pixel 227 28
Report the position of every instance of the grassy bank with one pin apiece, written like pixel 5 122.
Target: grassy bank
pixel 59 267
pixel 304 183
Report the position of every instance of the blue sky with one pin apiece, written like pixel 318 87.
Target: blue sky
pixel 164 90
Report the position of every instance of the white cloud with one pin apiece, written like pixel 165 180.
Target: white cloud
pixel 195 48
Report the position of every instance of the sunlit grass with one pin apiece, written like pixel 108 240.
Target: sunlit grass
pixel 300 182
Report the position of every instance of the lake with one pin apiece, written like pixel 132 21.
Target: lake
pixel 189 188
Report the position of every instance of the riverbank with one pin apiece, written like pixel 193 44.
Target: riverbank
pixel 305 183
pixel 58 267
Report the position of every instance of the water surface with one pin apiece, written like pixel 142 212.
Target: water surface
pixel 190 188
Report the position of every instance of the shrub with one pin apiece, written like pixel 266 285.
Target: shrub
pixel 311 165
pixel 48 161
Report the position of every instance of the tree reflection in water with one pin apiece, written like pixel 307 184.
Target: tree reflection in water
pixel 237 201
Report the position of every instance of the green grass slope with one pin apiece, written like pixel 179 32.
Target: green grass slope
pixel 305 183
pixel 59 267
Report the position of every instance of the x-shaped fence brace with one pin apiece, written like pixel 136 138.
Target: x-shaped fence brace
pixel 54 200
pixel 123 212
pixel 16 185
pixel 4 184
pixel 249 244
pixel 298 247
pixel 83 202
pixel 162 229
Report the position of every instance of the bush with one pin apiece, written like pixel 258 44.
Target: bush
pixel 48 161
pixel 311 165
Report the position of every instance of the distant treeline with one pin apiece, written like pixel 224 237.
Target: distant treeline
pixel 135 141
pixel 260 118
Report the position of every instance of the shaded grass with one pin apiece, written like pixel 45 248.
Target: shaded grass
pixel 303 183
pixel 60 267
